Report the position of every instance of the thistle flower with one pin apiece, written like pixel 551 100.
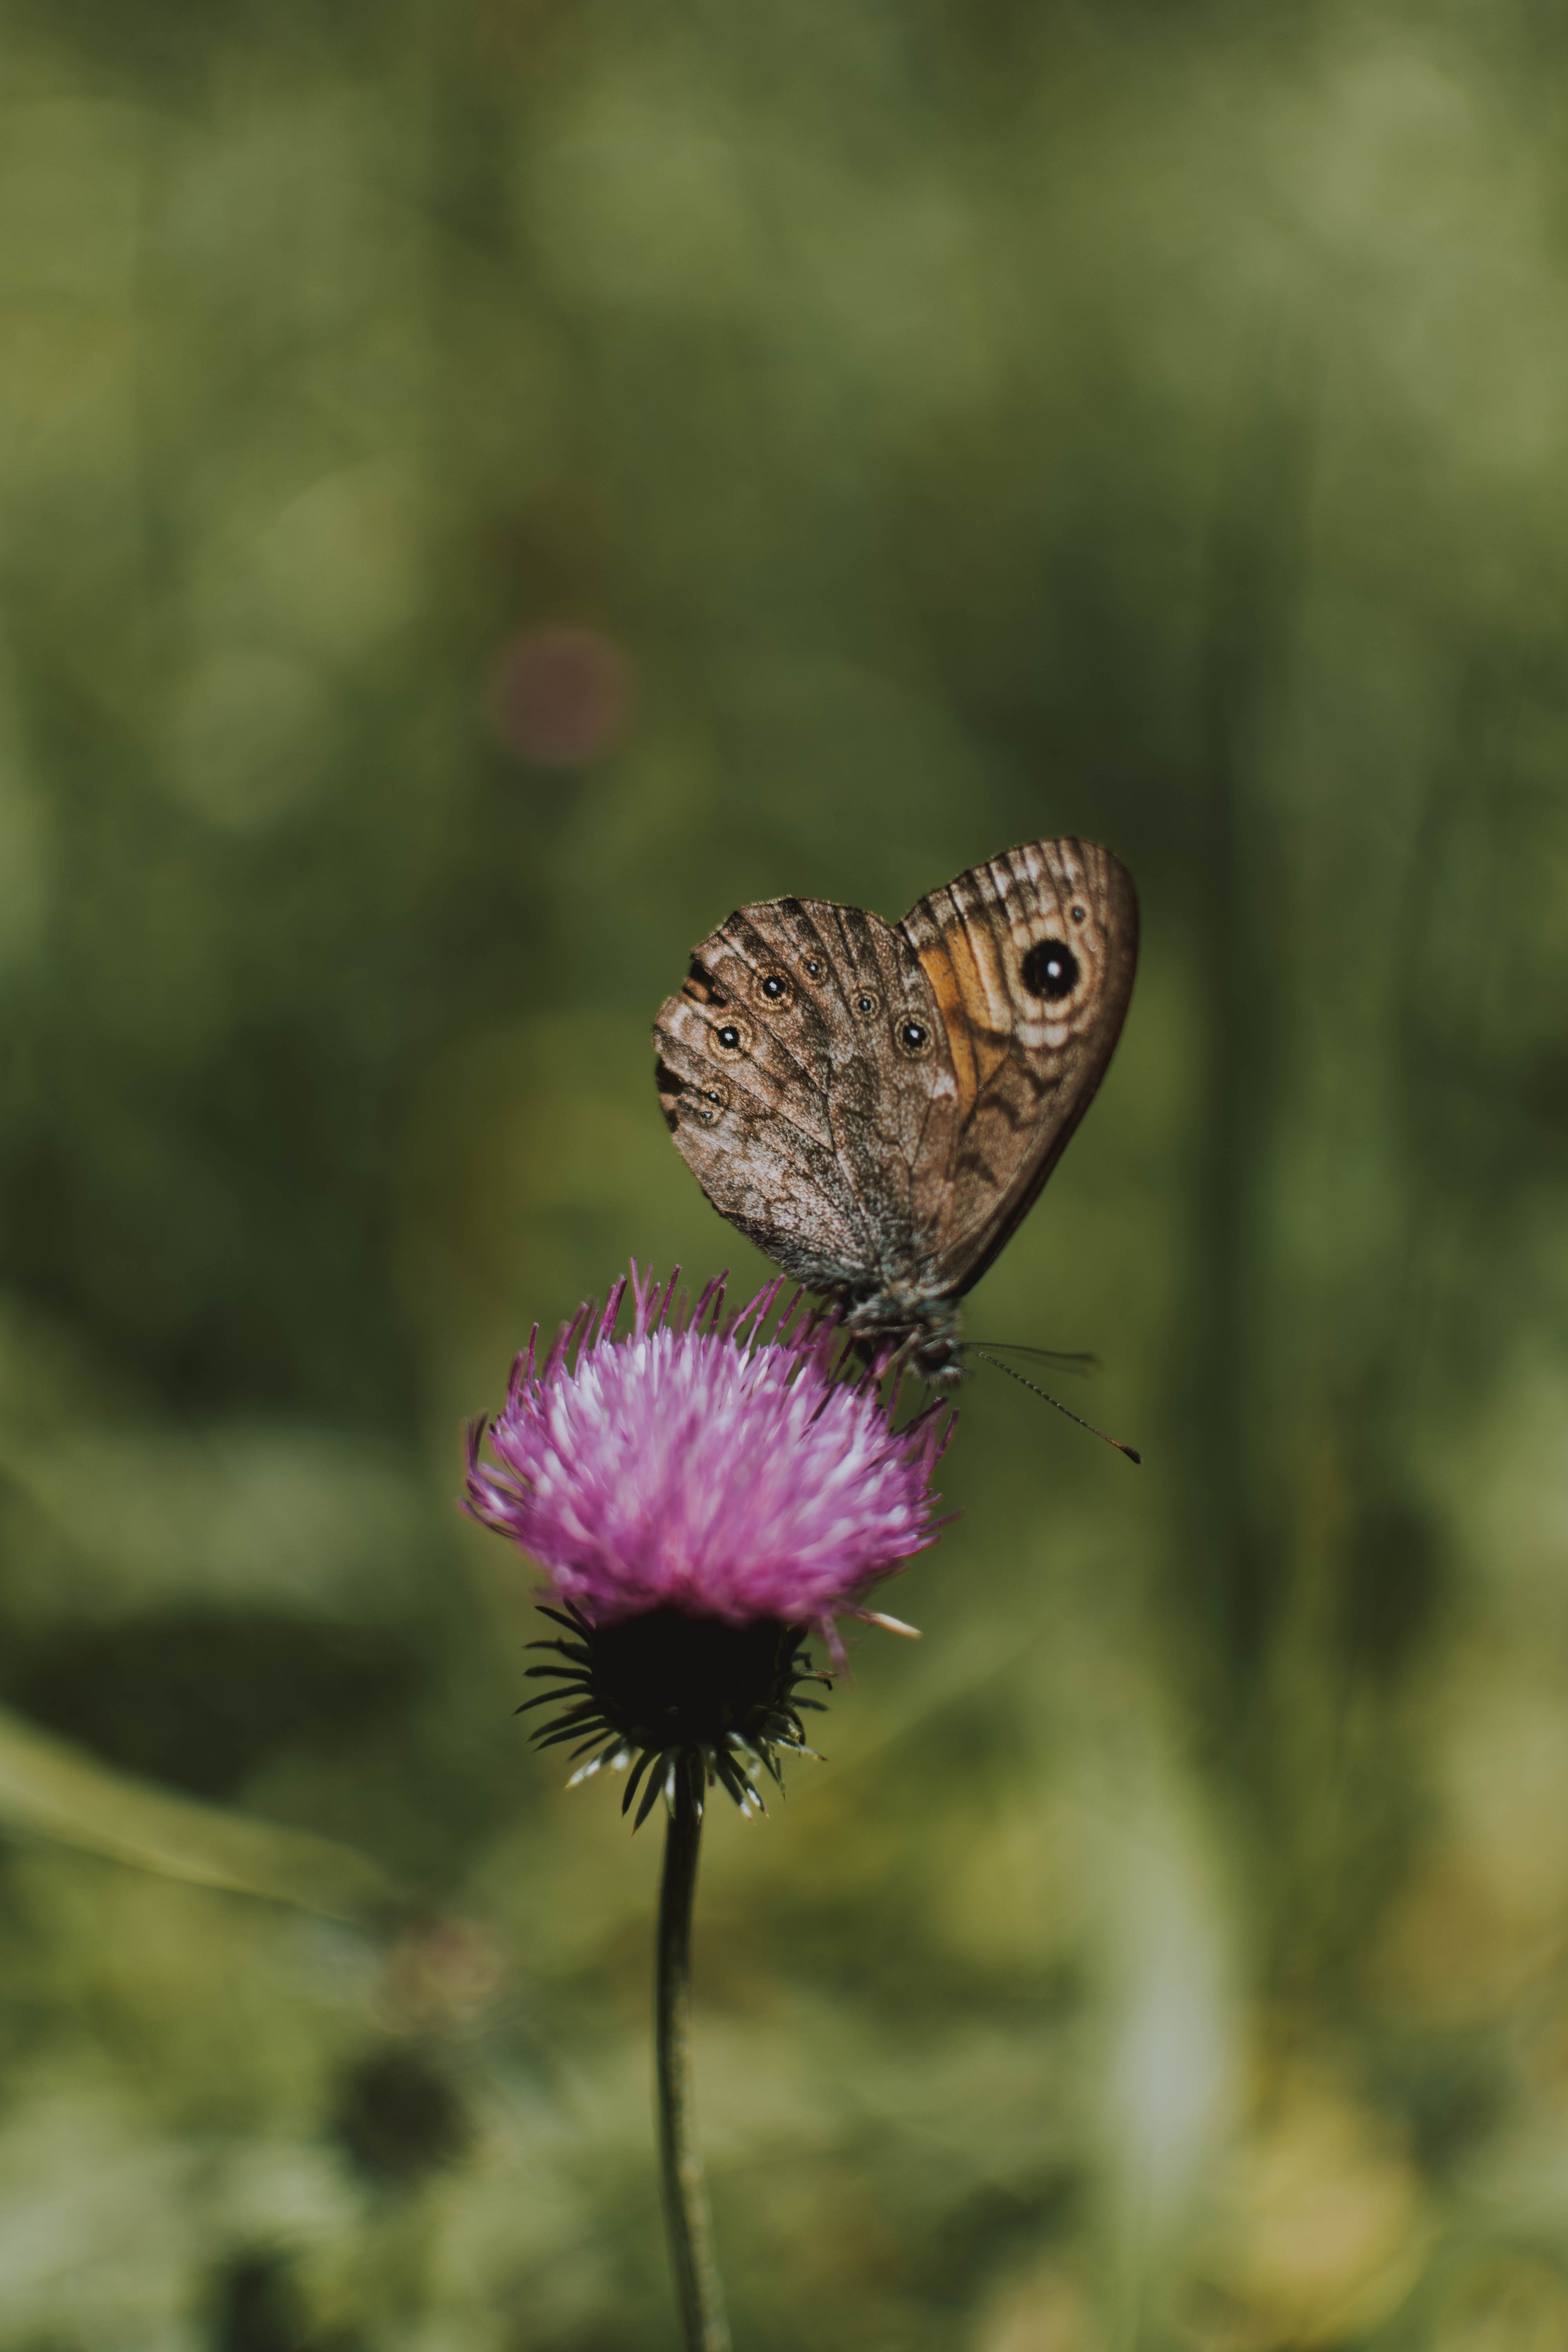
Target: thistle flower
pixel 701 1496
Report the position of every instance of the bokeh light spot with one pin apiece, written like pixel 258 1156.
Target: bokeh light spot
pixel 561 696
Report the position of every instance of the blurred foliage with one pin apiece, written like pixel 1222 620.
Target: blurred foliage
pixel 486 488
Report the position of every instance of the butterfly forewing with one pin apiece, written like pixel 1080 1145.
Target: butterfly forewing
pixel 1031 959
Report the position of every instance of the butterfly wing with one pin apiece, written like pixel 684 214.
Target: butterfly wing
pixel 806 1074
pixel 1031 960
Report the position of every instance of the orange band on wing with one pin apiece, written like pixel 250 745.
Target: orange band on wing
pixel 959 987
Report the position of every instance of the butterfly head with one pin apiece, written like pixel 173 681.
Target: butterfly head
pixel 911 1331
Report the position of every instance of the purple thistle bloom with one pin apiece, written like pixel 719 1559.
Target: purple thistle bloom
pixel 713 1471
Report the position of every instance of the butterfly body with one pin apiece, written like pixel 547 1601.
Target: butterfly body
pixel 876 1105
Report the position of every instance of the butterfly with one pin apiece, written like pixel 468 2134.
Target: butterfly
pixel 877 1105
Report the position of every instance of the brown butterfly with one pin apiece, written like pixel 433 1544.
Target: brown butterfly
pixel 877 1108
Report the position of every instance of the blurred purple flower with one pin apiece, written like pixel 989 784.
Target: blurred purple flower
pixel 561 696
pixel 710 1471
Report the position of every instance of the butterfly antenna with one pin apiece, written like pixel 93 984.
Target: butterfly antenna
pixel 1065 1360
pixel 1013 1374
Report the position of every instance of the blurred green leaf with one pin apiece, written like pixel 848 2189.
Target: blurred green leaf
pixel 49 1788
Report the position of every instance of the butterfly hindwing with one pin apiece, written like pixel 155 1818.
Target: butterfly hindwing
pixel 805 1057
pixel 752 1128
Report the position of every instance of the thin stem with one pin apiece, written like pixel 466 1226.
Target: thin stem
pixel 703 2325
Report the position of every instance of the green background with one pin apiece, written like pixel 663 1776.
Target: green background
pixel 944 423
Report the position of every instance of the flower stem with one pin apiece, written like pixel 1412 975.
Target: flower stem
pixel 698 2292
